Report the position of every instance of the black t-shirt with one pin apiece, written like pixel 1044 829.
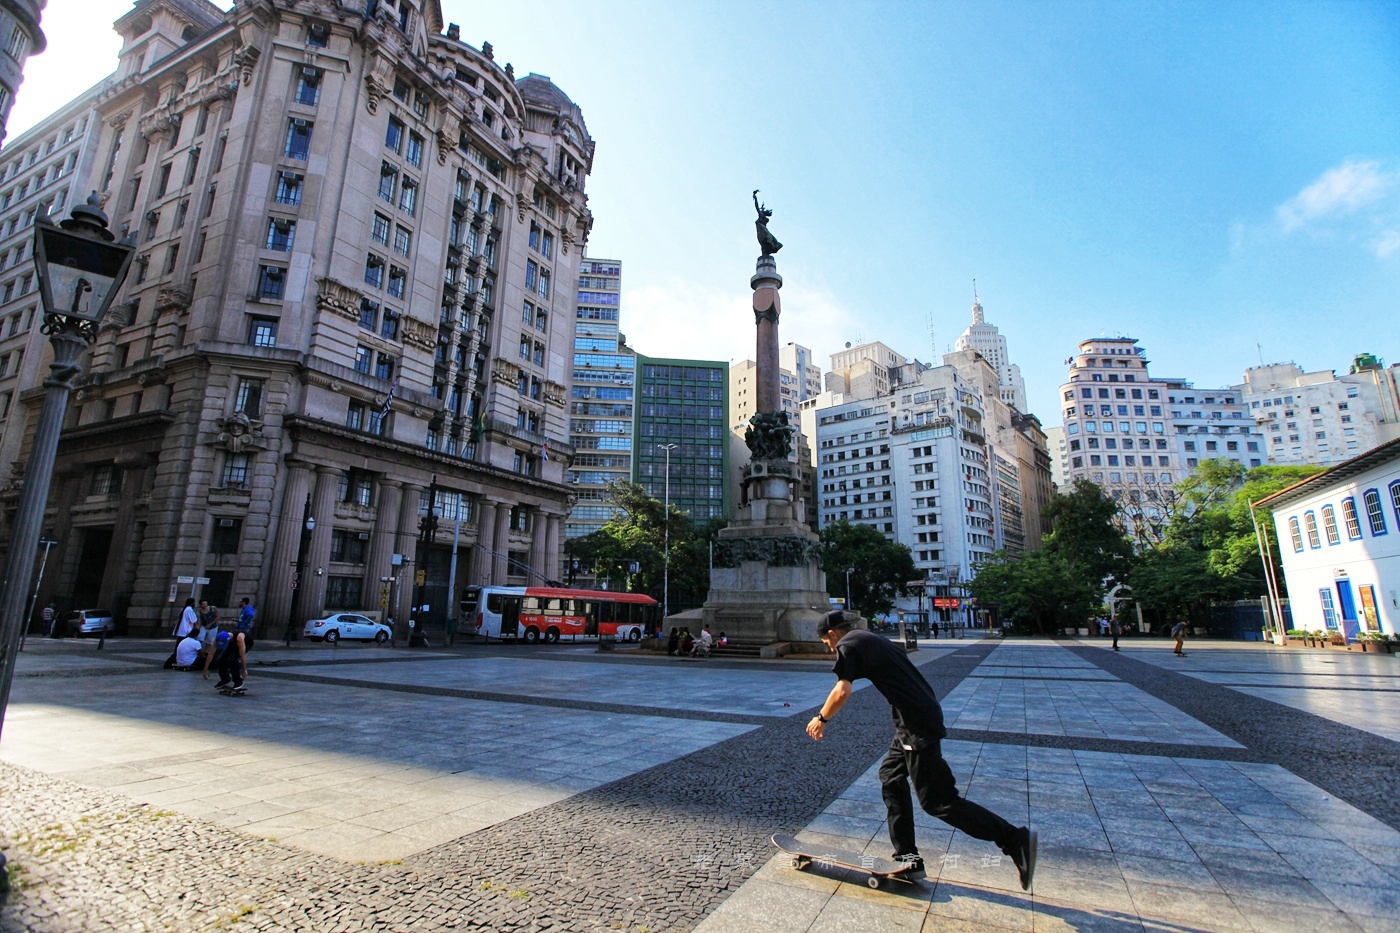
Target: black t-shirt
pixel 912 701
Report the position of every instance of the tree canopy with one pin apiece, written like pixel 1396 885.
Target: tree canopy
pixel 637 533
pixel 880 569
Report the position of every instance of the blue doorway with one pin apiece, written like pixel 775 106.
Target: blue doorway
pixel 1347 604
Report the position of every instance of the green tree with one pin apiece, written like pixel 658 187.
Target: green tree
pixel 880 569
pixel 1083 532
pixel 1210 550
pixel 637 534
pixel 1037 590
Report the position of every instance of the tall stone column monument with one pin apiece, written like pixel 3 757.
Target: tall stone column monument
pixel 767 588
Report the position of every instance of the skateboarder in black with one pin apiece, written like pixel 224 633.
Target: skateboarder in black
pixel 915 753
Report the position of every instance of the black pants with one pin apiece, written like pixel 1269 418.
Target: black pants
pixel 938 795
pixel 1115 641
pixel 229 666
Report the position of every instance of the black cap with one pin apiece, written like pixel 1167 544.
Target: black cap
pixel 836 618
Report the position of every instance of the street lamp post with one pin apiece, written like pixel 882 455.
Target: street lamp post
pixel 80 270
pixel 849 607
pixel 666 559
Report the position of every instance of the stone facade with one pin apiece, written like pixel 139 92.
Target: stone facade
pixel 359 244
pixel 19 29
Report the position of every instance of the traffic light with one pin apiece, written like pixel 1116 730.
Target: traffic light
pixel 421 577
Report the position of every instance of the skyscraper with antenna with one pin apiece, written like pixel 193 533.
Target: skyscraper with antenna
pixel 987 340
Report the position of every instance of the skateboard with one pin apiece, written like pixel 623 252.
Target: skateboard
pixel 234 691
pixel 877 870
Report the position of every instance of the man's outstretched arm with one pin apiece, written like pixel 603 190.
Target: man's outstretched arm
pixel 834 701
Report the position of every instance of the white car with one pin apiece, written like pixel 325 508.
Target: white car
pixel 347 625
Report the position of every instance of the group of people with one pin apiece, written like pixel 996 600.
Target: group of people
pixel 682 644
pixel 204 643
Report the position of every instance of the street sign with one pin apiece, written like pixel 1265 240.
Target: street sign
pixel 184 580
pixel 172 592
pixel 384 603
pixel 633 567
pixel 202 581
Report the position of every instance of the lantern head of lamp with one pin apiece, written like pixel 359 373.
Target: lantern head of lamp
pixel 80 266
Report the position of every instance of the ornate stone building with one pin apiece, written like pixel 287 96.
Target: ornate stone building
pixel 359 245
pixel 19 28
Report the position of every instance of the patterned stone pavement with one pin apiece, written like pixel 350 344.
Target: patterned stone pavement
pixel 562 789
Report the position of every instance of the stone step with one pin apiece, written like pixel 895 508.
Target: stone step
pixel 735 651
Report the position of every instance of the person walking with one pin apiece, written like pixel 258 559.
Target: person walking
pixel 915 755
pixel 1179 633
pixel 1115 629
pixel 49 615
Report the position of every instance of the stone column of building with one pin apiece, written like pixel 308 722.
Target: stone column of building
pixel 277 603
pixel 381 541
pixel 407 540
pixel 133 479
pixel 537 532
pixel 551 547
pixel 501 544
pixel 318 555
pixel 482 558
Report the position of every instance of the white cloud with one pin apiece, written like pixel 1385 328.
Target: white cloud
pixel 688 321
pixel 1341 190
pixel 1388 243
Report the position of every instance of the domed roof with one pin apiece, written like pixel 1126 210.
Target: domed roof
pixel 540 91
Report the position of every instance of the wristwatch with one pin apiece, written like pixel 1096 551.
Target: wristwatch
pixel 822 719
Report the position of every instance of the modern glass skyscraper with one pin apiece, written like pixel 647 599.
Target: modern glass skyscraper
pixel 684 402
pixel 601 405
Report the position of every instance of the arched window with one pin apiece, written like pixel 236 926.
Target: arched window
pixel 1329 525
pixel 1395 499
pixel 1349 516
pixel 1310 522
pixel 1374 514
pixel 1297 534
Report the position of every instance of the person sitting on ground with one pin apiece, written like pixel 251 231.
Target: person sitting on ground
pixel 186 654
pixel 673 644
pixel 707 641
pixel 723 640
pixel 687 643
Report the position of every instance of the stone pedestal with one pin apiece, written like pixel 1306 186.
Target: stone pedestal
pixel 767 588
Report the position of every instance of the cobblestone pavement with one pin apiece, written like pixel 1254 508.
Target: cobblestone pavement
pixel 598 792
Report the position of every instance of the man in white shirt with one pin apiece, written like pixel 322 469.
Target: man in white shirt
pixel 706 642
pixel 188 619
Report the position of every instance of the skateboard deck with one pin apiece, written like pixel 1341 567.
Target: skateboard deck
pixel 877 870
pixel 233 691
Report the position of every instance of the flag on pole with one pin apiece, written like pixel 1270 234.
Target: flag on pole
pixel 389 399
pixel 479 429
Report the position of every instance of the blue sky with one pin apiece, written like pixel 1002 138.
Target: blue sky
pixel 1202 176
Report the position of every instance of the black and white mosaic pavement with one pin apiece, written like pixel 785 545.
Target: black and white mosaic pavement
pixel 568 790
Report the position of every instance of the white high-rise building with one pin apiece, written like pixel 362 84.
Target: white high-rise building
pixel 987 340
pixel 1321 417
pixel 1059 456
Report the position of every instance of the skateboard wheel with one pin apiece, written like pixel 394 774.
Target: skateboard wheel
pixel 799 863
pixel 873 881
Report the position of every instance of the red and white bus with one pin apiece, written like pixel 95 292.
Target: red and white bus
pixel 540 613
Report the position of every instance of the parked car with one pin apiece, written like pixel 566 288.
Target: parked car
pixel 91 622
pixel 347 625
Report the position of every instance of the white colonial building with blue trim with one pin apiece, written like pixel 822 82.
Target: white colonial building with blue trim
pixel 1339 534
